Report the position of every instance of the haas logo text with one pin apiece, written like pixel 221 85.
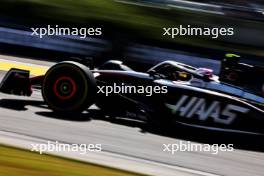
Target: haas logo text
pixel 190 107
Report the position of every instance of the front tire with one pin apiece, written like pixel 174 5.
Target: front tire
pixel 69 87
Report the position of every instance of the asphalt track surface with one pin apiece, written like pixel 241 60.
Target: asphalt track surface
pixel 30 116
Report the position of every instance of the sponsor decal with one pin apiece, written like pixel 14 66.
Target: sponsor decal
pixel 190 107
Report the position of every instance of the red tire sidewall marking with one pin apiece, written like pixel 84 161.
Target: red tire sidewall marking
pixel 72 82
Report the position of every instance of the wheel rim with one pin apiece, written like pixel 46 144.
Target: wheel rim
pixel 65 88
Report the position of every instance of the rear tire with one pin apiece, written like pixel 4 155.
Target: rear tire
pixel 69 87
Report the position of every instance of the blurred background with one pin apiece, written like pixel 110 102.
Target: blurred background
pixel 133 30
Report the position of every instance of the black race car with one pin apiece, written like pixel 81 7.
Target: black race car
pixel 168 93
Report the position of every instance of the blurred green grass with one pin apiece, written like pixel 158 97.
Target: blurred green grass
pixel 18 162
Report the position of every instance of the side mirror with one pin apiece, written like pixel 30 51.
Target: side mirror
pixel 207 77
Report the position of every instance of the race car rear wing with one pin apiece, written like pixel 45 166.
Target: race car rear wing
pixel 241 74
pixel 17 82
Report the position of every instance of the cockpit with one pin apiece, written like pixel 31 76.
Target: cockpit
pixel 176 71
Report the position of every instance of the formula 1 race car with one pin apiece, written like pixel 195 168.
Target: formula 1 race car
pixel 169 92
